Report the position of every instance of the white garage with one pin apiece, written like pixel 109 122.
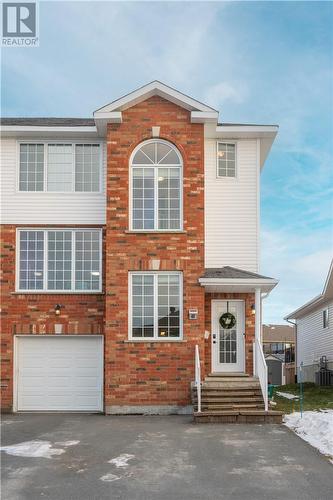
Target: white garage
pixel 54 373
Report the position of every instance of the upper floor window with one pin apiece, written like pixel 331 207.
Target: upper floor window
pixel 62 260
pixel 226 159
pixel 59 167
pixel 156 181
pixel 325 318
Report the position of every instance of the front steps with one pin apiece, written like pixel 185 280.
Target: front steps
pixel 232 398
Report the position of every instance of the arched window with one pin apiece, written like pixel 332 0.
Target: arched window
pixel 156 186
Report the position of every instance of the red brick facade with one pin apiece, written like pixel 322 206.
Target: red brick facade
pixel 136 373
pixel 34 313
pixel 152 373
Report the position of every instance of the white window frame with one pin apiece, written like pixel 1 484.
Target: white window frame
pixel 235 143
pixel 45 290
pixel 155 338
pixel 60 141
pixel 181 187
pixel 326 317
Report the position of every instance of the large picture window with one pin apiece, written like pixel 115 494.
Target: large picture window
pixel 155 305
pixel 60 167
pixel 59 260
pixel 156 178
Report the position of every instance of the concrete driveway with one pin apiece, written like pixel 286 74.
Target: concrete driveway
pixel 98 457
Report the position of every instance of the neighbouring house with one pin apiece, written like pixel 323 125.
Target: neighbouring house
pixel 314 332
pixel 279 339
pixel 130 241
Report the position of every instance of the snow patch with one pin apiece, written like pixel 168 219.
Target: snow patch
pixel 122 460
pixel 109 477
pixel 315 427
pixel 33 449
pixel 286 395
pixel 67 443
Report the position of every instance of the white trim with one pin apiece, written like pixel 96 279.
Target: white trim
pixel 16 367
pixel 239 334
pixel 258 187
pixel 226 142
pixel 45 144
pixel 154 88
pixel 45 230
pixel 268 129
pixel 41 129
pixel 181 300
pixel 155 167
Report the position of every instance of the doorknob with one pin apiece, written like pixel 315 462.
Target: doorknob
pixel 214 338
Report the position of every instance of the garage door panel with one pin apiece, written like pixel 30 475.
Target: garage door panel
pixel 60 373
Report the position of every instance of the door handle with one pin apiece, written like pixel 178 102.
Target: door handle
pixel 214 338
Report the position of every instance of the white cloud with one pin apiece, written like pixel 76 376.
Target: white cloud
pixel 217 95
pixel 300 262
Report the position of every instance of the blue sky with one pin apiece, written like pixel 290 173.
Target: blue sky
pixel 257 62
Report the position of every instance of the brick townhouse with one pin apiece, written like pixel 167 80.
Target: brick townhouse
pixel 130 242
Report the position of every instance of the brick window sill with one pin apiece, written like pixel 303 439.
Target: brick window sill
pixel 129 231
pixel 59 292
pixel 157 341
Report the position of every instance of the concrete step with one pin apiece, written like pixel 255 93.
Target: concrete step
pixel 228 375
pixel 218 399
pixel 229 394
pixel 231 386
pixel 233 406
pixel 242 416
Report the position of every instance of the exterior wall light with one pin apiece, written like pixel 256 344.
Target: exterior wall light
pixel 57 308
pixel 253 309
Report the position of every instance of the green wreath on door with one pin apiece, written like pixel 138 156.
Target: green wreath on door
pixel 227 321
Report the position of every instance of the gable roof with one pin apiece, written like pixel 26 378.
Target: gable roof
pixel 231 272
pixel 112 112
pixel 155 88
pixel 317 301
pixel 278 333
pixel 49 122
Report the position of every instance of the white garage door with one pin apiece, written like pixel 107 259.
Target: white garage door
pixel 59 373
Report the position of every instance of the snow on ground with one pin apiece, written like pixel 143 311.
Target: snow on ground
pixel 122 460
pixel 315 427
pixel 286 395
pixel 36 449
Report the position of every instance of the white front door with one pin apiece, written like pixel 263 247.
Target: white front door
pixel 228 336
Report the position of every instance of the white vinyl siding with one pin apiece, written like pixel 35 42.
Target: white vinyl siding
pixel 232 209
pixel 68 260
pixel 155 305
pixel 28 207
pixel 313 340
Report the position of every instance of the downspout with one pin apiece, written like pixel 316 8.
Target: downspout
pixel 295 325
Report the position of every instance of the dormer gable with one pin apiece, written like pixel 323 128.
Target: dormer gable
pixel 112 112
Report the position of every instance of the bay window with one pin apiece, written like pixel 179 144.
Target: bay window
pixel 59 260
pixel 155 305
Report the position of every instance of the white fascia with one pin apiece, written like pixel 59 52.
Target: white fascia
pixel 31 130
pixel 266 285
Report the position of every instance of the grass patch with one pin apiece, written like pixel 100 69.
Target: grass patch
pixel 315 398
